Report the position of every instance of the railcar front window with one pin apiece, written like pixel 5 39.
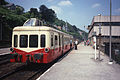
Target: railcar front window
pixel 33 41
pixel 42 41
pixel 23 41
pixel 15 40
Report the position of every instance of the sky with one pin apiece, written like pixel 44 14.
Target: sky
pixel 76 12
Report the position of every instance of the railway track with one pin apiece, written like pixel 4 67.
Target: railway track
pixel 4 62
pixel 4 59
pixel 8 69
pixel 11 72
pixel 25 72
pixel 40 72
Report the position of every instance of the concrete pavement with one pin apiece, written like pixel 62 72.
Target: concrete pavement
pixel 4 51
pixel 80 65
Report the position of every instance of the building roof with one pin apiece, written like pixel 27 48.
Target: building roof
pixel 105 19
pixel 10 4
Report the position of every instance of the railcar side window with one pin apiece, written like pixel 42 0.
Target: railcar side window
pixel 59 41
pixel 37 23
pixel 42 40
pixel 33 41
pixel 56 40
pixel 23 41
pixel 15 40
pixel 51 40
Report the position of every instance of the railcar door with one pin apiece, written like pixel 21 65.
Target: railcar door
pixel 59 43
pixel 62 44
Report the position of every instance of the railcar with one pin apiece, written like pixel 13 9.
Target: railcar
pixel 36 43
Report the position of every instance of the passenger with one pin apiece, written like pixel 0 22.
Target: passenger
pixel 88 43
pixel 76 43
pixel 70 44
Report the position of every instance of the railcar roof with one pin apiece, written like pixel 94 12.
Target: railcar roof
pixel 36 28
pixel 31 28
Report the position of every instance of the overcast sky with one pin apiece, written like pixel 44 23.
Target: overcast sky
pixel 76 12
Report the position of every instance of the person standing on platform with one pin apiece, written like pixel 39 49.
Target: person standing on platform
pixel 76 43
pixel 70 44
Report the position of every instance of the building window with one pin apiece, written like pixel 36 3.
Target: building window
pixel 15 40
pixel 51 40
pixel 56 39
pixel 106 24
pixel 23 41
pixel 33 41
pixel 42 40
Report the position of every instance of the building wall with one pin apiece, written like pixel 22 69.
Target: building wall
pixel 105 19
pixel 105 30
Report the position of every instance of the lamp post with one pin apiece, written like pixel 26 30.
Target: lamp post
pixel 94 38
pixel 110 59
pixel 99 36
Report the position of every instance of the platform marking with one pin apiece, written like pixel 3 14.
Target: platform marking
pixel 4 53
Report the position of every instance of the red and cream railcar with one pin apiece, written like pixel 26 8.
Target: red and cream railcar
pixel 38 44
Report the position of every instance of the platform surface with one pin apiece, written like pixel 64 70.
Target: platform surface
pixel 4 51
pixel 80 65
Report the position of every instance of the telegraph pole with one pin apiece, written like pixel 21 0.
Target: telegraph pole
pixel 110 58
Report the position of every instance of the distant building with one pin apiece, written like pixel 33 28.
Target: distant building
pixel 10 6
pixel 80 32
pixel 21 8
pixel 63 27
pixel 66 27
pixel 104 22
pixel 59 27
pixel 55 26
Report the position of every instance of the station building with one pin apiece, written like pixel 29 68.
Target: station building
pixel 102 24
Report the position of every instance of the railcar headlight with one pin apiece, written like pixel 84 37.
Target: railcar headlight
pixel 11 49
pixel 46 50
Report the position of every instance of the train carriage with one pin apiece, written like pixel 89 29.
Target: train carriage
pixel 36 43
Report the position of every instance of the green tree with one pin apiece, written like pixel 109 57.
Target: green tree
pixel 34 13
pixel 47 14
pixel 19 10
pixel 3 2
pixel 42 8
pixel 27 15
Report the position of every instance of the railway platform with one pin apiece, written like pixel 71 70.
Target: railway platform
pixel 80 65
pixel 4 51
